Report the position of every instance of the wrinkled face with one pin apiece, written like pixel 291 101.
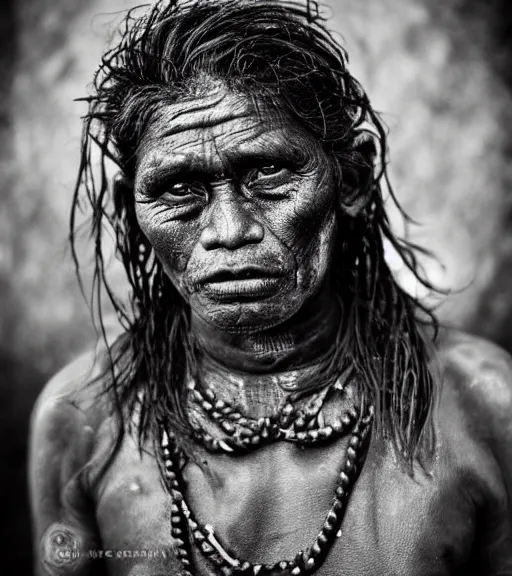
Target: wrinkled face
pixel 238 204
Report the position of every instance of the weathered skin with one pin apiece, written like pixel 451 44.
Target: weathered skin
pixel 271 503
pixel 222 185
pixel 276 214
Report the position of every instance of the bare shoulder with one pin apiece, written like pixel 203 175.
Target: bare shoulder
pixel 477 376
pixel 69 396
pixel 66 418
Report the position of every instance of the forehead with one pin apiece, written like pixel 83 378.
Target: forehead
pixel 217 127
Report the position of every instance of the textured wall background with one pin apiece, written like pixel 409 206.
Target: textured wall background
pixel 437 69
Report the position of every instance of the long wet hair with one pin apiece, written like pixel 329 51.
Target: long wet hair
pixel 280 53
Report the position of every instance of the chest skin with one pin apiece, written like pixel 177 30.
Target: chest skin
pixel 270 504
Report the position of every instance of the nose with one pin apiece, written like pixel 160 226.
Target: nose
pixel 230 224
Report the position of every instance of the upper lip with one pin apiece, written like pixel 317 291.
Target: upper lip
pixel 232 273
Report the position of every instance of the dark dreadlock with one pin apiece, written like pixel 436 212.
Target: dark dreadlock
pixel 283 53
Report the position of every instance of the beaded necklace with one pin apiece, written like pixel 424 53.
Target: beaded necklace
pixel 244 433
pixel 305 425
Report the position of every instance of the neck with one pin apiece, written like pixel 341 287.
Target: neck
pixel 257 371
pixel 297 343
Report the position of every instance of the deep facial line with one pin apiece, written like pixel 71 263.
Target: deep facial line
pixel 257 321
pixel 256 152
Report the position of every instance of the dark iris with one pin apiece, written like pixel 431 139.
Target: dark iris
pixel 184 189
pixel 180 189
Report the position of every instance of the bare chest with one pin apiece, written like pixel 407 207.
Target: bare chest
pixel 269 505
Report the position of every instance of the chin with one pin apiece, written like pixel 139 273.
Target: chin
pixel 247 316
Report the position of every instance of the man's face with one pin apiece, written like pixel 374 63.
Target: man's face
pixel 238 204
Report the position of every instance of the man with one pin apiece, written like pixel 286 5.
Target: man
pixel 277 404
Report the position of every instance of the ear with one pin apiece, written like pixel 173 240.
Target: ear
pixel 357 175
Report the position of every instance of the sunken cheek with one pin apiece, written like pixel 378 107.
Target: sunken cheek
pixel 172 240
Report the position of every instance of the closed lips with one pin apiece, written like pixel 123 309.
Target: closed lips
pixel 230 274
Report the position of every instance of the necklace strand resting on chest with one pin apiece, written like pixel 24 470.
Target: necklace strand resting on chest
pixel 244 433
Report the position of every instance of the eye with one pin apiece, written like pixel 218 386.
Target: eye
pixel 268 170
pixel 268 176
pixel 182 191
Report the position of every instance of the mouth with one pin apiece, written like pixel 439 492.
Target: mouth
pixel 245 283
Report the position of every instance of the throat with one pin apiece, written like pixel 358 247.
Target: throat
pixel 256 395
pixel 259 371
pixel 299 342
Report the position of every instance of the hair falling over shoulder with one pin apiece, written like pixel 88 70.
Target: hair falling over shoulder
pixel 283 54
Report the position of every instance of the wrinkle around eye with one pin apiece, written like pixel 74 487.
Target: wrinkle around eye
pixel 172 193
pixel 180 208
pixel 280 185
pixel 167 211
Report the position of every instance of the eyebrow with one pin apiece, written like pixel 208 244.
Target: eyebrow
pixel 191 166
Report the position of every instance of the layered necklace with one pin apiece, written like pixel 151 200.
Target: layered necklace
pixel 304 426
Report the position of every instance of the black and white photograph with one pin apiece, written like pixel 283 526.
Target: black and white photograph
pixel 256 274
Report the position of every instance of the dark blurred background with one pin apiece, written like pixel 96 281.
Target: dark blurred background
pixel 438 70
